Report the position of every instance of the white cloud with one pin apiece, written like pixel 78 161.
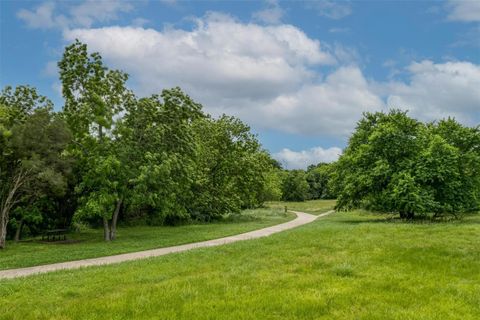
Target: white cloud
pixel 439 90
pixel 85 14
pixel 90 11
pixel 271 15
pixel 269 76
pixel 464 10
pixel 42 17
pixel 328 108
pixel 331 9
pixel 220 58
pixel 302 159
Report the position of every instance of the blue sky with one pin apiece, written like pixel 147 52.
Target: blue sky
pixel 300 73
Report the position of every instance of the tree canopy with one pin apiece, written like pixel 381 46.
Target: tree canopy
pixel 109 153
pixel 394 163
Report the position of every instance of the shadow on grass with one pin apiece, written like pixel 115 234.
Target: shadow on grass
pixel 466 219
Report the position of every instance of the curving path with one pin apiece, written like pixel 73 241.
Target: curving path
pixel 302 218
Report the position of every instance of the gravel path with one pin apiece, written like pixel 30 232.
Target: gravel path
pixel 302 218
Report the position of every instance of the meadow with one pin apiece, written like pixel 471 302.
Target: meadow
pixel 349 265
pixel 89 243
pixel 315 207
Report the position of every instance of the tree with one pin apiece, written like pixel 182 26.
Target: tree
pixel 272 190
pixel 39 143
pixel 318 177
pixel 95 97
pixel 230 168
pixel 32 141
pixel 295 186
pixel 158 136
pixel 397 164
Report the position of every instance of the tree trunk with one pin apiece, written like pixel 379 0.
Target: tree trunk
pixel 18 233
pixel 106 230
pixel 3 231
pixel 7 204
pixel 113 229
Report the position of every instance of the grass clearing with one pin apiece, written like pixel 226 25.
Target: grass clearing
pixel 130 239
pixel 353 265
pixel 313 206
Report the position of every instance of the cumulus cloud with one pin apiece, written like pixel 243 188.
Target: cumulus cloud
pixel 84 14
pixel 328 108
pixel 230 66
pixel 439 90
pixel 269 75
pixel 465 10
pixel 302 159
pixel 220 57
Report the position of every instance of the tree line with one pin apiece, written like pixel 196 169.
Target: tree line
pixel 396 164
pixel 108 153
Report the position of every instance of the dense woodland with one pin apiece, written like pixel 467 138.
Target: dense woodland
pixel 110 157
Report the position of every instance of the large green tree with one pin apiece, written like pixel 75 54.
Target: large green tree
pixel 397 164
pixel 95 98
pixel 231 168
pixel 158 136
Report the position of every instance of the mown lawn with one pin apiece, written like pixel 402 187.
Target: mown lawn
pixel 90 242
pixel 345 266
pixel 314 206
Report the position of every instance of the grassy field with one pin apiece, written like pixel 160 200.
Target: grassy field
pixel 345 266
pixel 314 206
pixel 90 242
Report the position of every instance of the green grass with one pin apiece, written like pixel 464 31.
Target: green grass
pixel 345 266
pixel 91 244
pixel 314 206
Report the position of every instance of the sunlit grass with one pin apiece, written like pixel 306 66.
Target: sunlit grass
pixel 345 266
pixel 314 206
pixel 90 242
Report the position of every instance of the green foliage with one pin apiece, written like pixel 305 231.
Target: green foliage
pixel 160 156
pixel 397 164
pixel 100 188
pixel 273 185
pixel 295 186
pixel 231 168
pixel 33 171
pixel 318 177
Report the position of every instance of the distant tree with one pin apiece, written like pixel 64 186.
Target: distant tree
pixel 318 177
pixel 397 164
pixel 273 184
pixel 295 186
